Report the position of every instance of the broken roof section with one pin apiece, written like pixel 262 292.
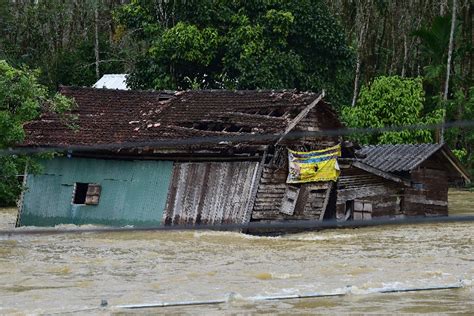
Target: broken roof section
pixel 118 116
pixel 406 157
pixel 112 81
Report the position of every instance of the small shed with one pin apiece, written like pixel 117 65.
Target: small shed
pixel 189 157
pixel 398 180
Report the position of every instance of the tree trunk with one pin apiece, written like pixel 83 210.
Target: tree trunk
pixel 363 16
pixel 405 55
pixel 450 51
pixel 448 65
pixel 356 81
pixel 96 43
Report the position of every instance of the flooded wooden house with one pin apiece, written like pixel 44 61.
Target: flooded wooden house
pixel 398 180
pixel 191 157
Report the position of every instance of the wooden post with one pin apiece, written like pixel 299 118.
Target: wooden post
pixel 22 196
pixel 326 201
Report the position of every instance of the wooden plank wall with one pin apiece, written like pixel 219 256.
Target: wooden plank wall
pixel 271 192
pixel 211 192
pixel 312 196
pixel 429 194
pixel 359 185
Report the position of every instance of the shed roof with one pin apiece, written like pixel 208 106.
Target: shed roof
pixel 406 157
pixel 397 158
pixel 117 116
pixel 112 81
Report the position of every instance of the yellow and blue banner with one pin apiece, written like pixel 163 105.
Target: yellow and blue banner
pixel 313 166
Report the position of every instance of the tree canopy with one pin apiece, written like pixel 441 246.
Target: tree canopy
pixel 392 101
pixel 22 99
pixel 238 45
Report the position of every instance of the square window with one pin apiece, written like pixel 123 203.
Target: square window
pixel 86 193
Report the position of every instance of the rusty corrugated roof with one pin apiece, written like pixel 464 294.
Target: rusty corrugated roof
pixel 117 116
pixel 397 158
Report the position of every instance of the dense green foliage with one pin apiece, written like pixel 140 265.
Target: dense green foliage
pixel 22 99
pixel 239 45
pixel 57 37
pixel 392 101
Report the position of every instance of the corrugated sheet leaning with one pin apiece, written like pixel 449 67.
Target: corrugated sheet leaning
pixel 313 166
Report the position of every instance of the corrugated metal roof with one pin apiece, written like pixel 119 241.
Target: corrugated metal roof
pixel 112 81
pixel 397 158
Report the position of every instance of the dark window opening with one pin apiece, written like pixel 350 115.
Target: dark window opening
pixel 349 212
pixel 87 193
pixel 80 193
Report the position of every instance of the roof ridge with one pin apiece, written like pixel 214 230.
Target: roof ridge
pixel 186 91
pixel 398 157
pixel 106 90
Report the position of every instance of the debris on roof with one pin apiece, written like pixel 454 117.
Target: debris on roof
pixel 115 116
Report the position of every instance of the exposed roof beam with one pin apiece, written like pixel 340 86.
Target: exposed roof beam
pixel 300 116
pixel 457 166
pixel 380 173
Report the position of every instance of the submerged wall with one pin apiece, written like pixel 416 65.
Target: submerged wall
pixel 132 192
pixel 429 193
pixel 367 195
pixel 212 192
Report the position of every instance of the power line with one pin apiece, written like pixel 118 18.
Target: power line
pixel 252 227
pixel 229 139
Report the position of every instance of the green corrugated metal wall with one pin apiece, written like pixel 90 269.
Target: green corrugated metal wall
pixel 133 192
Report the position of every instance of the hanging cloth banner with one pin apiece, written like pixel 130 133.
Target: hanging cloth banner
pixel 313 166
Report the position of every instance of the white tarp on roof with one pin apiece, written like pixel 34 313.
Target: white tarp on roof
pixel 112 81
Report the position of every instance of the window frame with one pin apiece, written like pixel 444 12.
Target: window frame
pixel 89 193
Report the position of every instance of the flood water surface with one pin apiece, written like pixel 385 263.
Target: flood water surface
pixel 47 274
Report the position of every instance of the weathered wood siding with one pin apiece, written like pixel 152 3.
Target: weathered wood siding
pixel 370 193
pixel 211 192
pixel 429 193
pixel 275 199
pixel 271 193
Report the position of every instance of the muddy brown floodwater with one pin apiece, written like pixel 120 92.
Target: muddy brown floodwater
pixel 72 273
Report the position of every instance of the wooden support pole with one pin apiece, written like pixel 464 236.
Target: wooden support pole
pixel 300 116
